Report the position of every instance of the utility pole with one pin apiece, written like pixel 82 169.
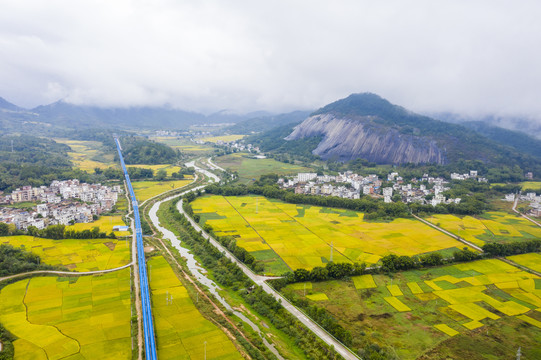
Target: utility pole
pixel 519 353
pixel 12 146
pixel 332 246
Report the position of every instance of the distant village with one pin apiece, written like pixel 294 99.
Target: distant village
pixel 235 146
pixel 533 200
pixel 63 202
pixel 425 190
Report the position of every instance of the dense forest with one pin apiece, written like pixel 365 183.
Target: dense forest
pixel 138 150
pixel 15 261
pixel 34 161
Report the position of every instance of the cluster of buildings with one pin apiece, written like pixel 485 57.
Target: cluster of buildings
pixel 234 145
pixel 63 202
pixel 426 190
pixel 471 175
pixel 532 198
pixel 347 185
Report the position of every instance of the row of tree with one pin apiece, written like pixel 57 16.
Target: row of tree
pixel 512 248
pixel 56 232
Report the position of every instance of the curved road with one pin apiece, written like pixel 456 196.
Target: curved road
pixel 70 273
pixel 330 340
pixel 521 214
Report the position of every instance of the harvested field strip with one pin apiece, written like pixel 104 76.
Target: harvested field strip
pixel 446 329
pixel 415 288
pixel 181 330
pixel 397 304
pixel 364 282
pixel 394 290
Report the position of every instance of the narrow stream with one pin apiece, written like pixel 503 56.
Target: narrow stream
pixel 198 271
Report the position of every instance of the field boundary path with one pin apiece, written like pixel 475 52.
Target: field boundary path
pixel 70 273
pixel 330 340
pixel 447 233
pixel 521 214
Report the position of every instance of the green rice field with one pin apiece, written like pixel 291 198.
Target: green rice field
pixel 181 330
pixel 493 226
pixel 75 254
pixel 73 318
pixel 250 169
pixel 418 310
pixel 287 236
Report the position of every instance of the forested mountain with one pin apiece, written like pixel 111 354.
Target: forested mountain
pixel 369 127
pixel 518 140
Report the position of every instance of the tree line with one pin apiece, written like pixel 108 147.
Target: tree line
pixel 56 232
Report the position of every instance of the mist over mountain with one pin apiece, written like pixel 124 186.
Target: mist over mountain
pixel 267 122
pixel 525 125
pixel 69 116
pixel 6 105
pixel 369 127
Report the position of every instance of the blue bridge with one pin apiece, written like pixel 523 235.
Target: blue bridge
pixel 148 326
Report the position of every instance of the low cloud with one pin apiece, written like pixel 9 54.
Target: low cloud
pixel 471 58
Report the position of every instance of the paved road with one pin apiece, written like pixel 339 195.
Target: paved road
pixel 213 166
pixel 448 233
pixel 260 280
pixel 521 214
pixel 70 273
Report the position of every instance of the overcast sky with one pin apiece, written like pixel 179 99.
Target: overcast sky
pixel 471 57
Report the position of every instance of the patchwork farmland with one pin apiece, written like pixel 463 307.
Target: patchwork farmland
pixel 494 226
pixel 84 317
pixel 173 309
pixel 75 254
pixel 287 236
pixel 421 309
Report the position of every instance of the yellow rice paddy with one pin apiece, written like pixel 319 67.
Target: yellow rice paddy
pixel 302 235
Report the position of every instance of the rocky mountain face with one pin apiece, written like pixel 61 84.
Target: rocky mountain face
pixel 347 137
